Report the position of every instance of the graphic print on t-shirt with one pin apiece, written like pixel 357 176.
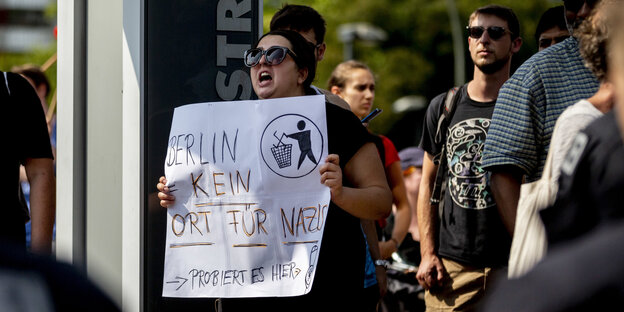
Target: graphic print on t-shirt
pixel 467 181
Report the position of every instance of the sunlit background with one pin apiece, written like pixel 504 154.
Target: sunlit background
pixel 415 62
pixel 27 36
pixel 410 50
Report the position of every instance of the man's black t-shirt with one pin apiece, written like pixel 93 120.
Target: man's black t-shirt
pixel 591 184
pixel 470 228
pixel 26 137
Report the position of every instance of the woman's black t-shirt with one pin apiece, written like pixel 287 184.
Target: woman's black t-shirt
pixel 341 261
pixel 339 277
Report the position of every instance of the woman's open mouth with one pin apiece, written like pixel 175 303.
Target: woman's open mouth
pixel 264 78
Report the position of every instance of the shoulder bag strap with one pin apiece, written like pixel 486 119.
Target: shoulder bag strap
pixel 547 172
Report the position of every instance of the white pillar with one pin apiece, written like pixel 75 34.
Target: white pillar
pixel 132 186
pixel 104 146
pixel 70 157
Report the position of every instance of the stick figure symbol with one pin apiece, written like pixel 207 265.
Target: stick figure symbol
pixel 305 143
pixel 308 277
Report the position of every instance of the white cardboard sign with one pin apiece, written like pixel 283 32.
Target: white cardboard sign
pixel 250 210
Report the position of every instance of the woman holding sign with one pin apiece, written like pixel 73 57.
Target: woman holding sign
pixel 283 65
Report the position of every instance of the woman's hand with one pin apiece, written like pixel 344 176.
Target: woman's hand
pixel 387 248
pixel 331 176
pixel 166 199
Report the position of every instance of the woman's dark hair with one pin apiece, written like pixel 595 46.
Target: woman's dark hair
pixel 35 73
pixel 303 50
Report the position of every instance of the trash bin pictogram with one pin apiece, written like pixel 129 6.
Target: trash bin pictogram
pixel 282 152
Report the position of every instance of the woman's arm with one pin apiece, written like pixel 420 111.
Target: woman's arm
pixel 403 214
pixel 370 233
pixel 370 197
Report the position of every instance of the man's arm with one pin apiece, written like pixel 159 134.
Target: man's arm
pixel 430 271
pixel 505 184
pixel 511 148
pixel 40 172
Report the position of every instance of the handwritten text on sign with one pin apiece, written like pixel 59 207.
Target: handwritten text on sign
pixel 250 209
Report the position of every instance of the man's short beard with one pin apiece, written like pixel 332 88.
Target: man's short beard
pixel 493 67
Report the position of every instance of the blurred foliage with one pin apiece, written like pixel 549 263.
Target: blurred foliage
pixel 417 58
pixel 39 55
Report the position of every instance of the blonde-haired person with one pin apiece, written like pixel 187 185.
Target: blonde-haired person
pixel 560 282
pixel 616 58
pixel 283 65
pixel 354 82
pixel 592 35
pixel 591 165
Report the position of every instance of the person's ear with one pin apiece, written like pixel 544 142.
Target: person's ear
pixel 470 42
pixel 335 90
pixel 321 52
pixel 303 75
pixel 516 44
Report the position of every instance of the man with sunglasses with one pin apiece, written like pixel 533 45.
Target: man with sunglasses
pixel 526 110
pixel 463 240
pixel 311 26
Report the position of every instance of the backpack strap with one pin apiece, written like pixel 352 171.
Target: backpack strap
pixel 447 112
pixel 450 104
pixel 6 82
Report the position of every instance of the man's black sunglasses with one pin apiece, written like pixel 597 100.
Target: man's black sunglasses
pixel 273 55
pixel 576 5
pixel 495 32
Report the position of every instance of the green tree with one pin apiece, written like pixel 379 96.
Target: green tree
pixel 417 57
pixel 38 55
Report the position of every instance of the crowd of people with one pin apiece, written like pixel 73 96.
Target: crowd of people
pixel 481 142
pixel 448 206
pixel 30 279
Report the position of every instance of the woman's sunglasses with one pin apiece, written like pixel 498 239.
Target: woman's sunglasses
pixel 273 56
pixel 495 32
